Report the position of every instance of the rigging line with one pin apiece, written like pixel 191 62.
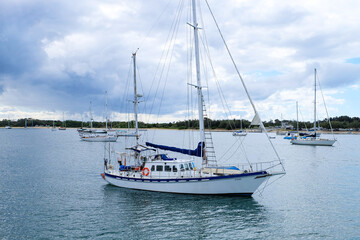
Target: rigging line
pixel 205 76
pixel 263 188
pixel 142 89
pixel 205 67
pixel 169 64
pixel 242 148
pixel 220 92
pixel 172 49
pixel 187 87
pixel 125 92
pixel 155 23
pixel 245 88
pixel 222 98
pixel 187 110
pixel 167 42
pixel 206 45
pixel 229 149
pixel 164 57
pixel 327 114
pixel 267 185
pixel 303 119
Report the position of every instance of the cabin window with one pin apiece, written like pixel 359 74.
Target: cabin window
pixel 174 168
pixel 167 168
pixel 159 168
pixel 191 166
pixel 182 167
pixel 153 168
pixel 187 166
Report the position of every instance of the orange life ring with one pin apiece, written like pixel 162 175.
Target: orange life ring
pixel 146 171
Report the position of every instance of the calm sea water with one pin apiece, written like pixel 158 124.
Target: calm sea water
pixel 51 188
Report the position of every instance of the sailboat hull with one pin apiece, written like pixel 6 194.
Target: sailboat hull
pixel 241 184
pixel 313 142
pixel 99 139
pixel 240 134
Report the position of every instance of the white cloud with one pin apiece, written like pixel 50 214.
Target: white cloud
pixel 87 45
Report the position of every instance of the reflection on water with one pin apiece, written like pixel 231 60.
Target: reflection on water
pixel 182 216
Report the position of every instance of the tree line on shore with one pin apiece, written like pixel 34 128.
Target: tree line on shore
pixel 338 123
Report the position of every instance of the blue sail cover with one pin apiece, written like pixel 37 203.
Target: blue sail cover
pixel 198 152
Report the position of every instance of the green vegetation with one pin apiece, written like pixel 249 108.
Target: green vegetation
pixel 338 123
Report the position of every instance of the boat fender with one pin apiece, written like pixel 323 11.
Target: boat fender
pixel 146 171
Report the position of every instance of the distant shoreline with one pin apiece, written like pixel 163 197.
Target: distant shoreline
pixel 213 130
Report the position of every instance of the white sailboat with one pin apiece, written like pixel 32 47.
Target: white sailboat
pixel 53 128
pixel 63 125
pixel 281 132
pixel 314 141
pixel 8 126
pixel 154 171
pixel 240 132
pixel 98 135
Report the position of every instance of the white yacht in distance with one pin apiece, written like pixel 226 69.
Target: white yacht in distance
pixel 8 126
pixel 155 171
pixel 98 135
pixel 63 124
pixel 53 128
pixel 240 132
pixel 314 141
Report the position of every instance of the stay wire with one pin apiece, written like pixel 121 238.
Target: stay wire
pixel 244 86
pixel 327 114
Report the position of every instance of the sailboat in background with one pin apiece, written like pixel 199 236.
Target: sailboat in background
pixel 315 140
pixel 240 132
pixel 98 135
pixel 63 127
pixel 53 128
pixel 279 132
pixel 154 171
pixel 9 125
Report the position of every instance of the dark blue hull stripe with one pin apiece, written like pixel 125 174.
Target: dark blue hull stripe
pixel 262 173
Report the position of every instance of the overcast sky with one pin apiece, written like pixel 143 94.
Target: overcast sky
pixel 57 56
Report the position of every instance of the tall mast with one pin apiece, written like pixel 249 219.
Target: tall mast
pixel 91 117
pixel 106 110
pixel 135 102
pixel 297 117
pixel 200 96
pixel 240 123
pixel 315 101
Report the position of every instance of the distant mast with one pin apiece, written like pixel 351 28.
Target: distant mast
pixel 91 116
pixel 315 101
pixel 106 111
pixel 297 118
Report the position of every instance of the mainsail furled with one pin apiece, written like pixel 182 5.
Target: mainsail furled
pixel 198 152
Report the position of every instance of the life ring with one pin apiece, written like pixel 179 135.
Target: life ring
pixel 146 171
